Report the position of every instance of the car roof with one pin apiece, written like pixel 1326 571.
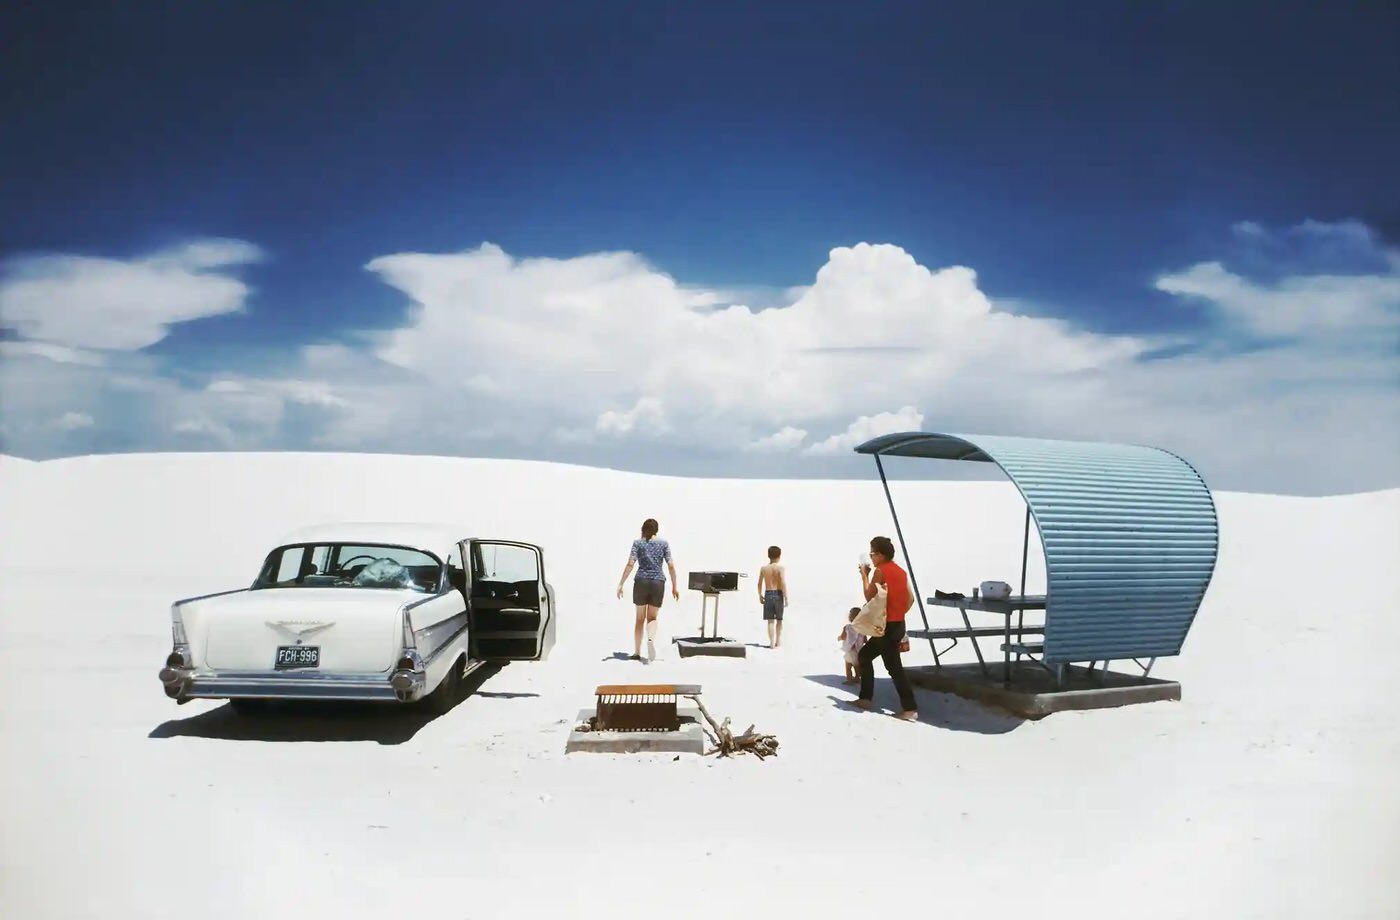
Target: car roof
pixel 436 538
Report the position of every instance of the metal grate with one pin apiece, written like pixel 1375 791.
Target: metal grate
pixel 639 707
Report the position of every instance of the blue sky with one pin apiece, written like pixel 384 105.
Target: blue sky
pixel 1083 160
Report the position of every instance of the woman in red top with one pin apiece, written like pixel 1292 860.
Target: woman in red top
pixel 897 603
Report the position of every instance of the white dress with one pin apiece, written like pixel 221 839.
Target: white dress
pixel 851 643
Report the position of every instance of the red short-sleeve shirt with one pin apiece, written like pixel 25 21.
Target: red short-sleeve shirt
pixel 897 586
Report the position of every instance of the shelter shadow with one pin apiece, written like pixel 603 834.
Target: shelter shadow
pixel 941 710
pixel 297 720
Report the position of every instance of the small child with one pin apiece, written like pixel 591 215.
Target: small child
pixel 851 642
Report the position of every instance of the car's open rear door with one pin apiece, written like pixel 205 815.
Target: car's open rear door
pixel 512 614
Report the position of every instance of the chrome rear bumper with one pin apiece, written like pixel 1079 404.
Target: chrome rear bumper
pixel 183 684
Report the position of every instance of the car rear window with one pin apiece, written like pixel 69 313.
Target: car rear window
pixel 346 565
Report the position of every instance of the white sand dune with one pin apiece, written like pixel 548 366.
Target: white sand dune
pixel 1268 791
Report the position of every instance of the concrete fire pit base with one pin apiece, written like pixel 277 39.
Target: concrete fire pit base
pixel 1032 692
pixel 704 645
pixel 690 739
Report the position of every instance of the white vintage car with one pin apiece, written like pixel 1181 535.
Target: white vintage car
pixel 394 612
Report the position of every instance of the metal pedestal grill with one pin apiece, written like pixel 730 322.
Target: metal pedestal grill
pixel 711 585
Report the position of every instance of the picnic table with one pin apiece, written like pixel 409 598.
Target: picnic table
pixel 1007 607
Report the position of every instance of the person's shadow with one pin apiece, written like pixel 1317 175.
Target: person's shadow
pixel 298 720
pixel 941 710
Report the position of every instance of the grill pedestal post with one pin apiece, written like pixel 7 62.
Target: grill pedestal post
pixel 704 602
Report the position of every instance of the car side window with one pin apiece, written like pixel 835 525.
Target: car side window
pixel 456 573
pixel 503 562
pixel 290 564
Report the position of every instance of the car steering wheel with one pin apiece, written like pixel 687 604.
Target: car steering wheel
pixel 343 566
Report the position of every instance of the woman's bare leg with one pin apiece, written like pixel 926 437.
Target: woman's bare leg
pixel 651 631
pixel 637 630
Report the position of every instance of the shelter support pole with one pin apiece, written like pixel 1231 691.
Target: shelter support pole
pixel 1148 670
pixel 918 595
pixel 1025 551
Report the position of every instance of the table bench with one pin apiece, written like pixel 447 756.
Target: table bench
pixel 1003 607
pixel 965 633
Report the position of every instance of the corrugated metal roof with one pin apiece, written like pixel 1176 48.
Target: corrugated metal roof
pixel 1130 536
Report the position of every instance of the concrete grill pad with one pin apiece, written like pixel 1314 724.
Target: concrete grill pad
pixel 690 739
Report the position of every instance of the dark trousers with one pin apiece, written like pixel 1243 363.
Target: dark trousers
pixel 886 648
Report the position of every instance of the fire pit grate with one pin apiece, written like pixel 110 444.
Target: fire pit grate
pixel 639 707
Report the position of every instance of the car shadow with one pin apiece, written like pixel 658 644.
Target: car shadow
pixel 941 710
pixel 304 720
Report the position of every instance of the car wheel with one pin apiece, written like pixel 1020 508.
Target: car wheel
pixel 249 707
pixel 444 696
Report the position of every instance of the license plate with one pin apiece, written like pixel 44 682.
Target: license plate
pixel 298 656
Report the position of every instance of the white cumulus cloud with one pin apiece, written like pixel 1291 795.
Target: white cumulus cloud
pixel 124 305
pixel 567 342
pixel 73 421
pixel 867 427
pixel 204 428
pixel 647 414
pixel 783 440
pixel 1346 305
pixel 59 354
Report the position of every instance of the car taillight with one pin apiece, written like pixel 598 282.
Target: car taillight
pixel 177 627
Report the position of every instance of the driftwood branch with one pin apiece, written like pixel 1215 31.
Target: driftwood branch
pixel 727 745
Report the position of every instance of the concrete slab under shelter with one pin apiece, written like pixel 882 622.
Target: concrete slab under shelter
pixel 704 645
pixel 690 739
pixel 1032 691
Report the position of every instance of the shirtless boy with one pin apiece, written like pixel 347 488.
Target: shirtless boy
pixel 772 594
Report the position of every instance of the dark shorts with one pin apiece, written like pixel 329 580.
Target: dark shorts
pixel 773 605
pixel 648 592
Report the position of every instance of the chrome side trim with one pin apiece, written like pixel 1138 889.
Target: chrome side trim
pixel 205 597
pixel 431 597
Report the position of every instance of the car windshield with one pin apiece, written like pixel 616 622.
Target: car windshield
pixel 347 565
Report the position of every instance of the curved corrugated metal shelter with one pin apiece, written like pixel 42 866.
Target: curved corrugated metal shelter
pixel 1130 536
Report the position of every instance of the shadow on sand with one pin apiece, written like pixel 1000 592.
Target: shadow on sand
pixel 941 710
pixel 385 723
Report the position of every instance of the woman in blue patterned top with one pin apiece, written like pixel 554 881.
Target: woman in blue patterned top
pixel 649 587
